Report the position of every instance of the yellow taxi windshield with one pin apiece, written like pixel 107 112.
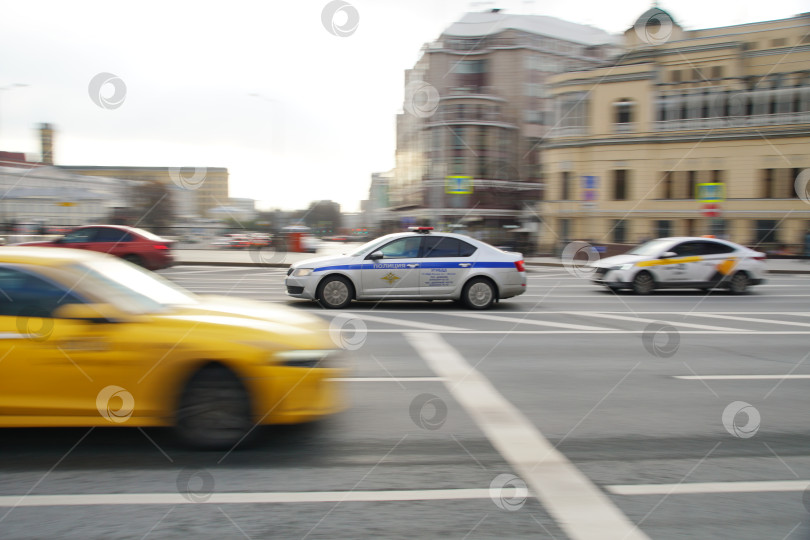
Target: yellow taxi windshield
pixel 129 287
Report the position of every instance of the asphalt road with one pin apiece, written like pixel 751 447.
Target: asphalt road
pixel 568 412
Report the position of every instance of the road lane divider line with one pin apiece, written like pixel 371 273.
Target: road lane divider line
pixel 388 379
pixel 582 510
pixel 104 499
pixel 644 320
pixel 709 487
pixel 738 377
pixel 572 332
pixel 750 319
pixel 516 320
pixel 409 324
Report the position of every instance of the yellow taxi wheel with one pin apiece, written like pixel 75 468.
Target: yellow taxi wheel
pixel 214 409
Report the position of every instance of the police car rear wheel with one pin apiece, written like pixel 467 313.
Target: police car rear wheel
pixel 478 294
pixel 643 283
pixel 335 292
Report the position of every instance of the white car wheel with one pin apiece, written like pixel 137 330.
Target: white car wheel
pixel 478 294
pixel 739 283
pixel 335 292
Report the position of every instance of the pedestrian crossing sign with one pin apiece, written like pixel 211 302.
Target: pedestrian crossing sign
pixel 459 185
pixel 710 192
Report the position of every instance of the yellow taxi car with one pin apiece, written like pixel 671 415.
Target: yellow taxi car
pixel 87 339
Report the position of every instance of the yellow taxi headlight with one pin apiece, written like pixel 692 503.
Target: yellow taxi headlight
pixel 304 358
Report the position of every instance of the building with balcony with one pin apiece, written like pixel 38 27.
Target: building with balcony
pixel 636 143
pixel 477 105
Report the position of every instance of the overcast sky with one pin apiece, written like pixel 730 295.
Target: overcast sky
pixel 261 87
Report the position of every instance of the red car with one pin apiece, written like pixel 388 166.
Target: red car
pixel 134 245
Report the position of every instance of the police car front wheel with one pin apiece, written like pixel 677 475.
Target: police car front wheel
pixel 478 293
pixel 335 292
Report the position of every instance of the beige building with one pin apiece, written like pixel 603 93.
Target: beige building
pixel 476 108
pixel 634 141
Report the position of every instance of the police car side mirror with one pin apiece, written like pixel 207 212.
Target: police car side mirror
pixel 376 255
pixel 668 255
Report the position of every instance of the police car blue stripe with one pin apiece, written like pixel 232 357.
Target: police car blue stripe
pixel 506 264
pixel 392 265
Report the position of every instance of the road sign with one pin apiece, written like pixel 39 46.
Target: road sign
pixel 459 185
pixel 589 187
pixel 710 192
pixel 711 210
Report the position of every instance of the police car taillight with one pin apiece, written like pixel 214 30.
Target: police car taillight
pixel 520 266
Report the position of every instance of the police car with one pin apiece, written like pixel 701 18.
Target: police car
pixel 416 265
pixel 682 262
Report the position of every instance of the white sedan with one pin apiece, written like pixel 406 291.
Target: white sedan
pixel 682 262
pixel 417 265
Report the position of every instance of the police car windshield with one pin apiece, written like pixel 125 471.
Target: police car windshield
pixel 651 248
pixel 368 246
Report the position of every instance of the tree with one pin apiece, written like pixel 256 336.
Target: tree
pixel 153 206
pixel 323 215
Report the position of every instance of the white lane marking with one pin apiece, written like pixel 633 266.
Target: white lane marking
pixel 195 269
pixel 738 377
pixel 409 324
pixel 518 320
pixel 709 487
pixel 749 319
pixel 564 491
pixel 440 312
pixel 617 331
pixel 643 320
pixel 388 379
pixel 244 498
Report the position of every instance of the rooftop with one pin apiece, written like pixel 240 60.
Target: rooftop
pixel 488 23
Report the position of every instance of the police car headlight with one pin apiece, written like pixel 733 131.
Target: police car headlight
pixel 622 266
pixel 302 272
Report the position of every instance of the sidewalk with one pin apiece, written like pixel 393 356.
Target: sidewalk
pixel 273 259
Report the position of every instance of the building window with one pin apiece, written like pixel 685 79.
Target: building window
pixel 663 228
pixel 667 183
pixel 458 138
pixel 717 72
pixel 767 184
pixel 765 231
pixel 691 184
pixel 717 177
pixel 470 66
pixel 793 187
pixel 573 111
pixel 675 75
pixel 565 186
pixel 620 188
pixel 623 115
pixel 619 231
pixel 565 230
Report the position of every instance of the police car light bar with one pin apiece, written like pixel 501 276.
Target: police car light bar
pixel 421 230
